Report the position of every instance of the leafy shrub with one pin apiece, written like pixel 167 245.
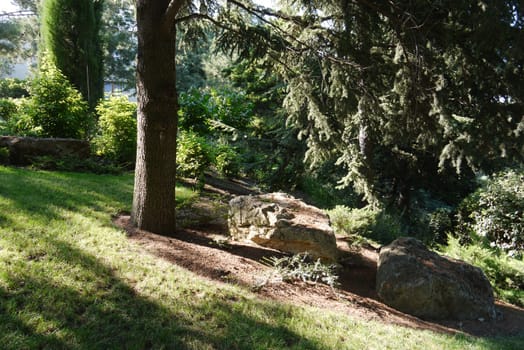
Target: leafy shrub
pixel 301 267
pixel 506 274
pixel 200 108
pixel 366 222
pixel 116 139
pixel 20 122
pixel 7 109
pixel 57 108
pixel 226 160
pixel 193 155
pixel 323 193
pixel 496 211
pixel 13 88
pixel 194 111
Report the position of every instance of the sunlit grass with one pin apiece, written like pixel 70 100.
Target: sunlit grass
pixel 70 279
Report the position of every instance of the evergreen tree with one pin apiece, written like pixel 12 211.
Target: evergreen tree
pixel 398 90
pixel 71 37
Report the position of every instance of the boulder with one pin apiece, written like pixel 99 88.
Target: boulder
pixel 414 280
pixel 282 222
pixel 22 150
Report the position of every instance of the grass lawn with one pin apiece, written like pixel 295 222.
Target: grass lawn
pixel 69 279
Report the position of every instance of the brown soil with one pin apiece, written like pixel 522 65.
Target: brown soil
pixel 202 246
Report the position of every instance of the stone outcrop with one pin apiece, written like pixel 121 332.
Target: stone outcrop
pixel 22 150
pixel 282 222
pixel 414 280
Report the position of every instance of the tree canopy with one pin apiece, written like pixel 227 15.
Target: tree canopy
pixel 399 91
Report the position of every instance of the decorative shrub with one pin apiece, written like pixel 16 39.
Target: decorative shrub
pixel 496 211
pixel 193 155
pixel 57 108
pixel 116 138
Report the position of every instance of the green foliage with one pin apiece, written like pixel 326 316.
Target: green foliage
pixel 116 139
pixel 7 109
pixel 20 122
pixel 506 274
pixel 199 109
pixel 185 196
pixel 195 111
pixel 368 222
pixel 496 211
pixel 70 34
pixel 302 267
pixel 13 88
pixel 226 160
pixel 56 108
pixel 193 155
pixel 394 102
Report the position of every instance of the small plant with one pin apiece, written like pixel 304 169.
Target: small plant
pixel 367 222
pixel 116 139
pixel 302 267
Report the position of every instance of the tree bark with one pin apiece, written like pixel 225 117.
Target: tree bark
pixel 154 192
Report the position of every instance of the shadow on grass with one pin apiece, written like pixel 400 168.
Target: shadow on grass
pixel 37 311
pixel 41 195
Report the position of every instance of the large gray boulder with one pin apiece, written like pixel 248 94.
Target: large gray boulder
pixel 414 280
pixel 282 222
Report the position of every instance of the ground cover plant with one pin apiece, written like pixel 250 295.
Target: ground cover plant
pixel 70 279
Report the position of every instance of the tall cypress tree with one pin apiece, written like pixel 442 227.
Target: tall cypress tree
pixel 71 38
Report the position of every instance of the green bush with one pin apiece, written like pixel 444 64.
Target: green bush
pixel 506 274
pixel 20 122
pixel 116 138
pixel 193 155
pixel 201 109
pixel 13 88
pixel 57 108
pixel 367 222
pixel 7 109
pixel 226 160
pixel 495 211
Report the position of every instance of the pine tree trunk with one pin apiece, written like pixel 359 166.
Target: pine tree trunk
pixel 154 193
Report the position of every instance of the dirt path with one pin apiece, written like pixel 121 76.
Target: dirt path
pixel 202 247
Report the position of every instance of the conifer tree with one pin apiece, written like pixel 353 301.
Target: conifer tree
pixel 71 37
pixel 399 91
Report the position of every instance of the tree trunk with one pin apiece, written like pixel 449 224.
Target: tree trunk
pixel 154 193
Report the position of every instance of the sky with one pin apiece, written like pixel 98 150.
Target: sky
pixel 7 6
